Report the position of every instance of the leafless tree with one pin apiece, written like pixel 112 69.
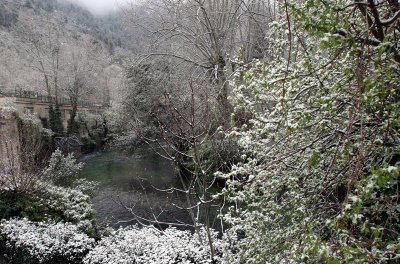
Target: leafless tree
pixel 43 45
pixel 80 74
pixel 186 124
pixel 196 38
pixel 204 34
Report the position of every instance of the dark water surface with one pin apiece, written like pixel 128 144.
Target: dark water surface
pixel 130 187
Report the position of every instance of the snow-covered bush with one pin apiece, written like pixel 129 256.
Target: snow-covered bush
pixel 8 108
pixel 68 205
pixel 62 169
pixel 32 121
pixel 150 245
pixel 73 203
pixel 47 202
pixel 85 186
pixel 29 242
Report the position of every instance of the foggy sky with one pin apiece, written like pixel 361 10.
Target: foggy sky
pixel 101 7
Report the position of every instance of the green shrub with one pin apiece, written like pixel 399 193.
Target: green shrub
pixel 13 204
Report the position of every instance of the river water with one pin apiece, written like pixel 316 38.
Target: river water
pixel 132 188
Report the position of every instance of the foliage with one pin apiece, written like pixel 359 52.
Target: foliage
pixel 86 187
pixel 35 141
pixel 360 232
pixel 22 205
pixel 55 120
pixel 72 126
pixel 50 203
pixel 68 205
pixel 96 127
pixel 144 104
pixel 28 242
pixel 8 108
pixel 324 111
pixel 149 245
pixel 63 203
pixel 62 170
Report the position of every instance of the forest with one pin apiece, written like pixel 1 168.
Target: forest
pixel 200 131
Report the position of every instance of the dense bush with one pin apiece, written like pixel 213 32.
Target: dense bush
pixel 23 151
pixel 28 242
pixel 14 204
pixel 150 245
pixel 94 129
pixel 8 108
pixel 47 202
pixel 50 203
pixel 69 205
pixel 55 120
pixel 62 170
pixel 49 224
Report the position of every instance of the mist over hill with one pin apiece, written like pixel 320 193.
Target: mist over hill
pixel 101 8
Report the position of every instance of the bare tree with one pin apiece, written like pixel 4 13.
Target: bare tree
pixel 195 39
pixel 182 136
pixel 79 77
pixel 44 47
pixel 204 34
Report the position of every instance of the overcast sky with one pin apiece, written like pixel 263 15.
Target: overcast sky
pixel 101 7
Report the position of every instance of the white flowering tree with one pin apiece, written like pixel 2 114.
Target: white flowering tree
pixel 321 172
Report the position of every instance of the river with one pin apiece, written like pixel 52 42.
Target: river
pixel 130 185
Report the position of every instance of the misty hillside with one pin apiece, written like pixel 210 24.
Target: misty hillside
pixel 32 30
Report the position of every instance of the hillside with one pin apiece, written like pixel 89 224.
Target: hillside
pixel 59 41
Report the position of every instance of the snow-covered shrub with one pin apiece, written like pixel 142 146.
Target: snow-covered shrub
pixel 85 186
pixel 73 203
pixel 149 245
pixel 68 205
pixel 8 108
pixel 29 242
pixel 62 169
pixel 47 202
pixel 31 120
